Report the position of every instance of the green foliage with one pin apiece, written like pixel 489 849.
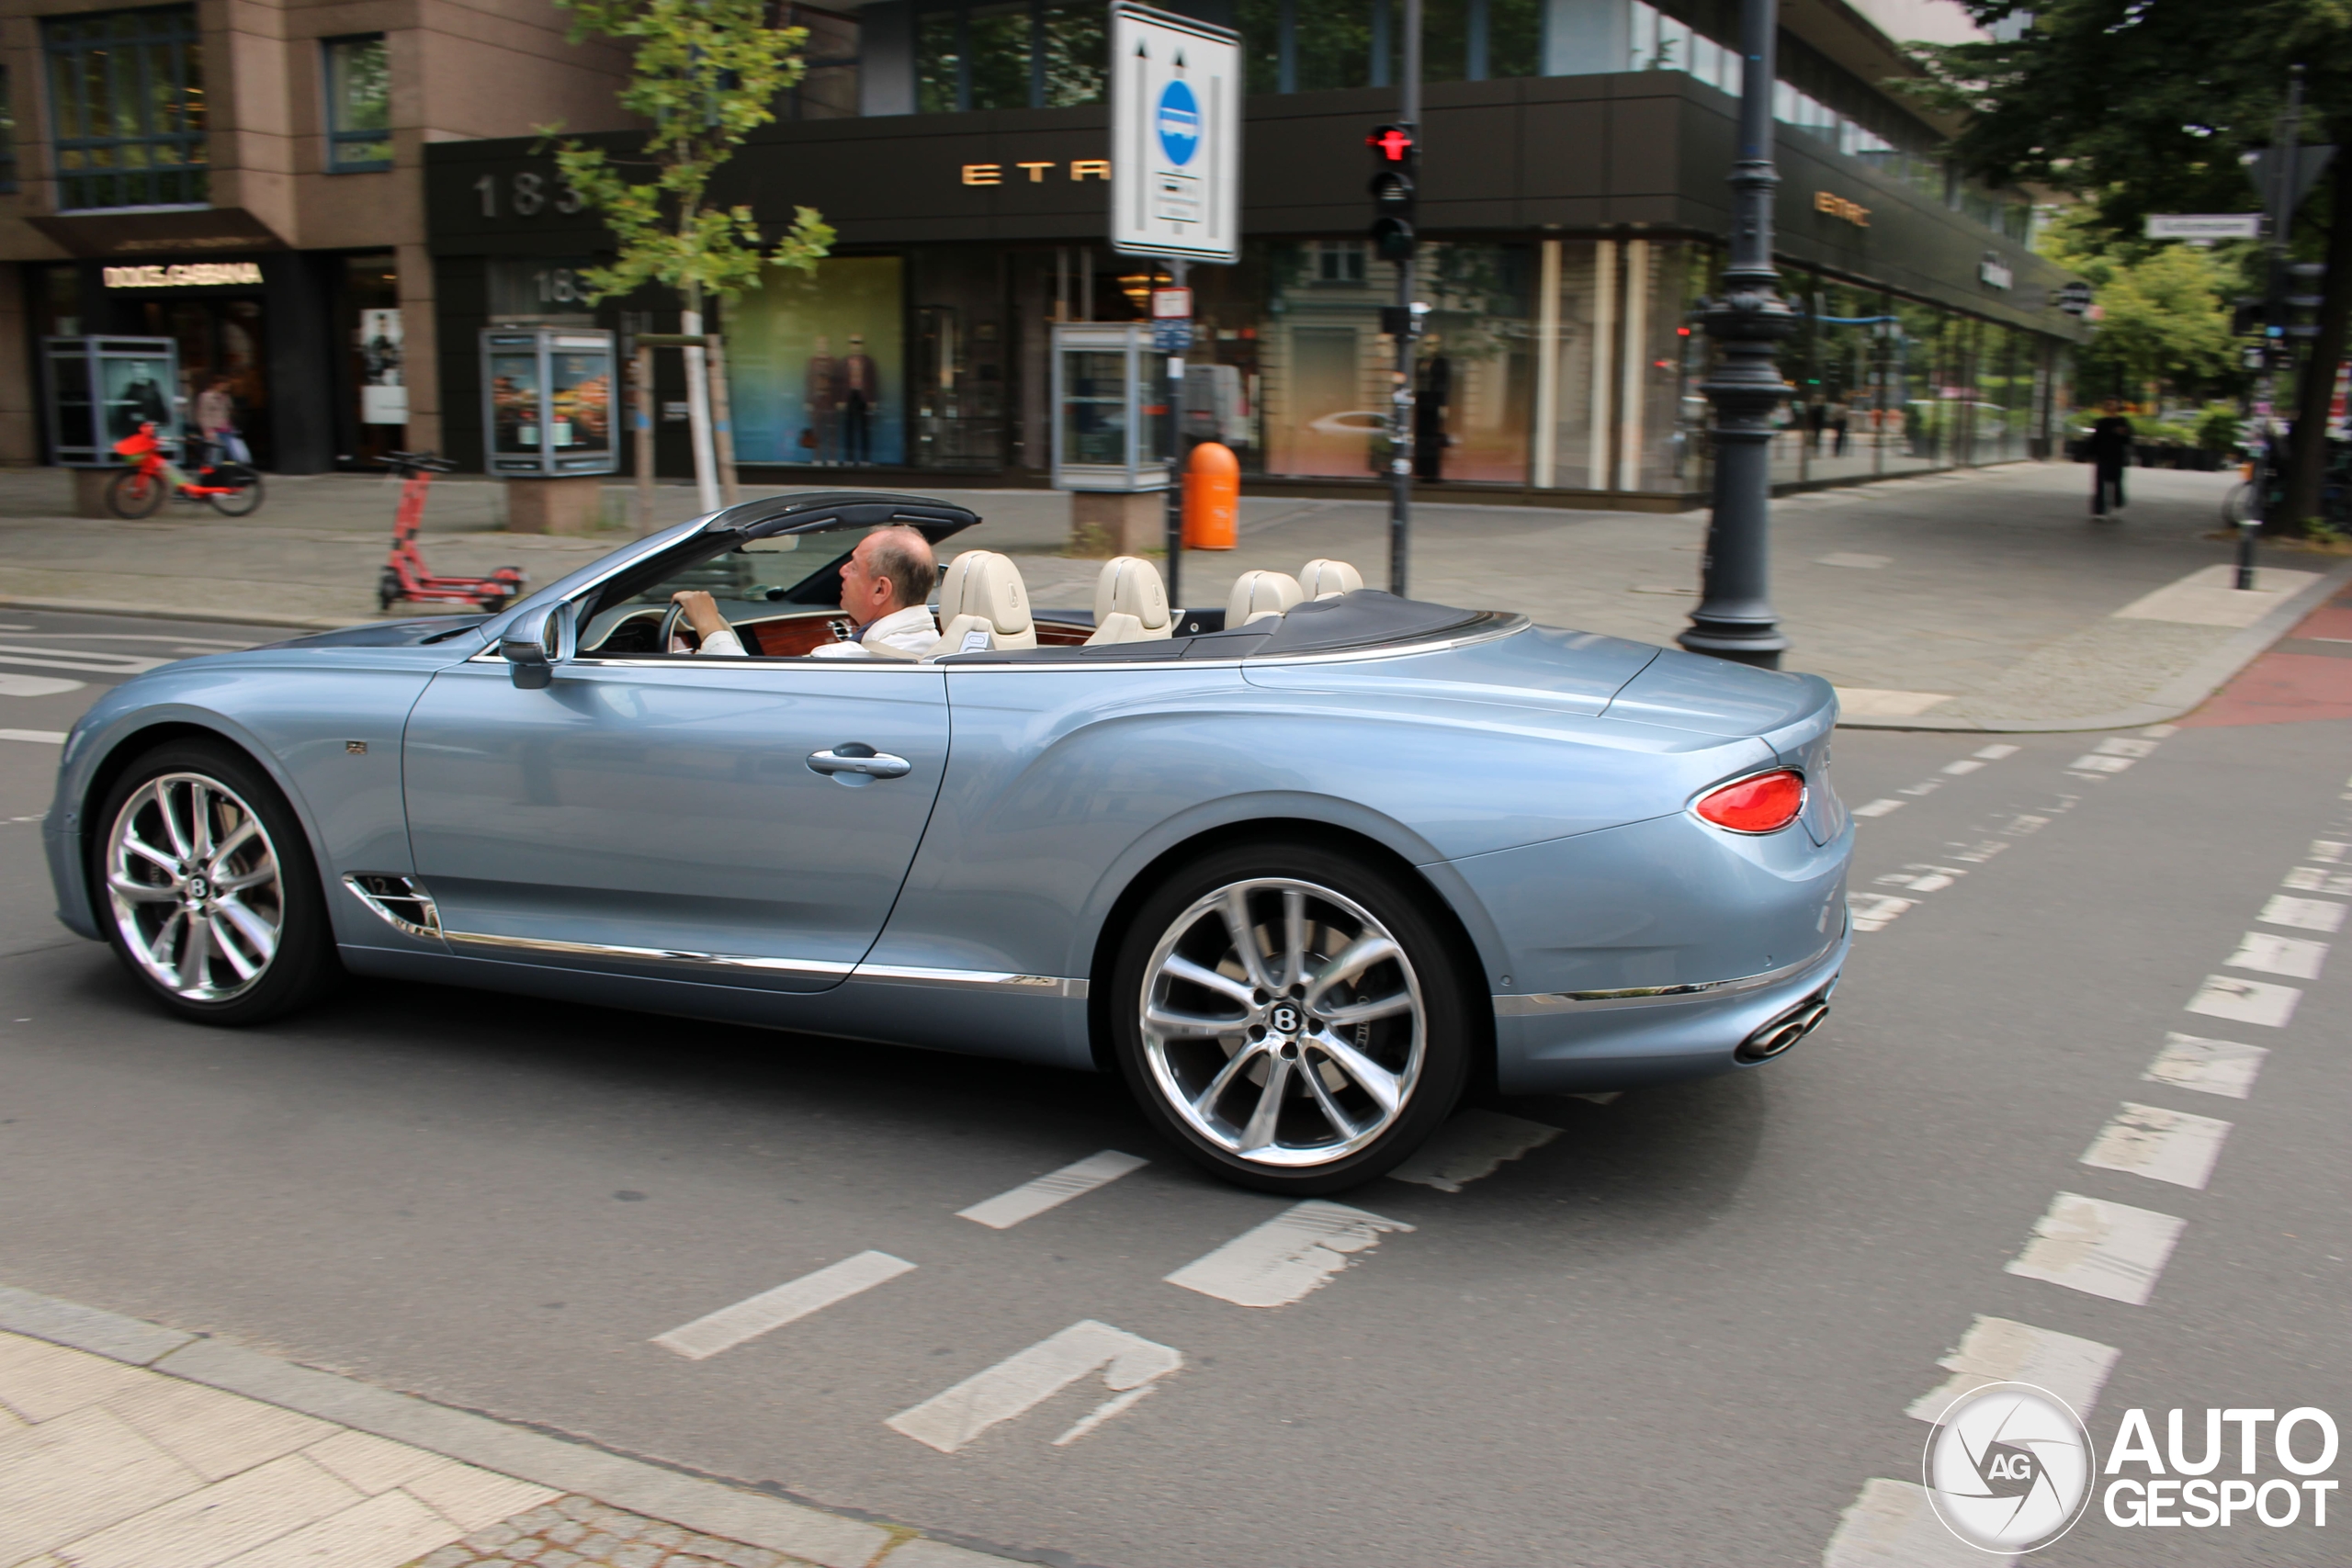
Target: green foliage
pixel 706 76
pixel 2221 428
pixel 2163 311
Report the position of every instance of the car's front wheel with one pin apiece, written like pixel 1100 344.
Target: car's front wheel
pixel 1291 1016
pixel 206 886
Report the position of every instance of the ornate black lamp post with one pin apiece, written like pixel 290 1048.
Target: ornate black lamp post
pixel 1734 618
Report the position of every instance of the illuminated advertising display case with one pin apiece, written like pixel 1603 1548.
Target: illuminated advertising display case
pixel 1110 400
pixel 547 401
pixel 100 389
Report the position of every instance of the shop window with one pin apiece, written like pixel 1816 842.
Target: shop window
pixel 7 134
pixel 127 100
pixel 359 105
pixel 1010 54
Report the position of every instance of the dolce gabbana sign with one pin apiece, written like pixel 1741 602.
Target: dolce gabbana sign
pixel 183 275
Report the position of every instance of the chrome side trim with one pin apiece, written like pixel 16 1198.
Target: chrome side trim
pixel 681 957
pixel 1514 1005
pixel 991 980
pixel 401 902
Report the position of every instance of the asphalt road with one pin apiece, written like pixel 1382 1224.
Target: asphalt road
pixel 1685 1329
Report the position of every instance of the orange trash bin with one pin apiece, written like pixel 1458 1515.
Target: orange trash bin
pixel 1212 498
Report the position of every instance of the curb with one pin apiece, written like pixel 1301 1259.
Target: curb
pixel 569 1465
pixel 2178 697
pixel 174 612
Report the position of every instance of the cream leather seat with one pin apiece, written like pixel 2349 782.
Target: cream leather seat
pixel 982 603
pixel 1130 602
pixel 1321 579
pixel 1258 595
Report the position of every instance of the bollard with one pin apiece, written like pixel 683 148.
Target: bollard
pixel 1212 498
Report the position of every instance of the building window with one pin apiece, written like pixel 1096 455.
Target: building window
pixel 359 105
pixel 127 95
pixel 1009 54
pixel 828 85
pixel 7 134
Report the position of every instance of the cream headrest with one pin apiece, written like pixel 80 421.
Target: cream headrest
pixel 1257 593
pixel 1129 585
pixel 983 583
pixel 1321 579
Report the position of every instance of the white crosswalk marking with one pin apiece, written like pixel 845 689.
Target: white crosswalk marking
pixel 1875 911
pixel 750 1318
pixel 2246 1001
pixel 1055 1187
pixel 2328 850
pixel 14 685
pixel 2161 1144
pixel 2210 1066
pixel 2311 879
pixel 1473 1145
pixel 2303 913
pixel 1892 1525
pixel 42 736
pixel 1022 1382
pixel 1996 1349
pixel 1994 753
pixel 2101 1249
pixel 1877 808
pixel 2297 956
pixel 1296 1251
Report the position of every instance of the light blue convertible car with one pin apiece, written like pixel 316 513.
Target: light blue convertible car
pixel 1302 869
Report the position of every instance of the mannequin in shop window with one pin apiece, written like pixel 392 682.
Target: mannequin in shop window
pixel 1436 391
pixel 861 390
pixel 821 402
pixel 141 401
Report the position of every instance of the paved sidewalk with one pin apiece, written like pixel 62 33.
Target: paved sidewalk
pixel 1978 600
pixel 127 1445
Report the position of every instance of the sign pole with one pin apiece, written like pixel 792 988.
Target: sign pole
pixel 1178 270
pixel 1400 397
pixel 2284 190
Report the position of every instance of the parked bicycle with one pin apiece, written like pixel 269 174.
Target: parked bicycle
pixel 405 575
pixel 233 490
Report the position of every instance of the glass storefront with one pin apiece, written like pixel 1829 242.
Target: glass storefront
pixel 1559 365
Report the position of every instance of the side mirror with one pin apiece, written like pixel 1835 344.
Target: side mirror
pixel 535 643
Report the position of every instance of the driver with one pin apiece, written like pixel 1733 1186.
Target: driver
pixel 885 585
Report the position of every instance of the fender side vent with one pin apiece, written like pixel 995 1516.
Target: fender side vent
pixel 401 902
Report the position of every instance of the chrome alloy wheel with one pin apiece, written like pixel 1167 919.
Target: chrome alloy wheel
pixel 193 881
pixel 1283 1022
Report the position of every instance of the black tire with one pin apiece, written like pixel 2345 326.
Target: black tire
pixel 1174 1072
pixel 133 494
pixel 388 588
pixel 244 502
pixel 208 984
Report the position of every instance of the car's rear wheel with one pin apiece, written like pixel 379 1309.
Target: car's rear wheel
pixel 1291 1016
pixel 206 886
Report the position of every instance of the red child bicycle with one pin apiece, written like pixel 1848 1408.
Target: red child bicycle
pixel 234 489
pixel 405 575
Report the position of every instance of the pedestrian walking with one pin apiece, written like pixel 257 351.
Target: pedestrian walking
pixel 2110 449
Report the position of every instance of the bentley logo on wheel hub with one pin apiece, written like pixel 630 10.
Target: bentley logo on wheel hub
pixel 1285 1020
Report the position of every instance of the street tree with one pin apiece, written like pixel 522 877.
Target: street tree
pixel 705 74
pixel 2139 107
pixel 2163 312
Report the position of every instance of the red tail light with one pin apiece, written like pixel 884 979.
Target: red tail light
pixel 1764 803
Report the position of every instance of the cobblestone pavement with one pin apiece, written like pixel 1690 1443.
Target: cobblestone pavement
pixel 580 1532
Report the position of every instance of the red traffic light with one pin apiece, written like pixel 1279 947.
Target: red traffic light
pixel 1393 142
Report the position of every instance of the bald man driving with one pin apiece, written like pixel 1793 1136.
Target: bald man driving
pixel 886 586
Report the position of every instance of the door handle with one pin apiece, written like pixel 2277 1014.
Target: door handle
pixel 854 757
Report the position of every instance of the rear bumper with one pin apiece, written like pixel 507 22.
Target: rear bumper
pixel 1578 1043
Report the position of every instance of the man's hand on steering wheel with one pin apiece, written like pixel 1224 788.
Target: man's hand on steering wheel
pixel 698 610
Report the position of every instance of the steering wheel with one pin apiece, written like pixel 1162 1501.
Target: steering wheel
pixel 670 619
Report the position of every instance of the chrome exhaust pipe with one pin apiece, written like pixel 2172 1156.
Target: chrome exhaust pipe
pixel 1784 1032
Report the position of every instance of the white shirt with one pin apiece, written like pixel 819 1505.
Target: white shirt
pixel 911 630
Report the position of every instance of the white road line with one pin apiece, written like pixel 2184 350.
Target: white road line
pixel 2298 957
pixel 2209 1066
pixel 1925 786
pixel 90 659
pixel 2117 747
pixel 2328 850
pixel 15 685
pixel 2101 1249
pixel 1965 765
pixel 1997 1350
pixel 1296 1251
pixel 1875 911
pixel 46 737
pixel 2161 1144
pixel 1996 751
pixel 2093 763
pixel 1473 1145
pixel 1877 808
pixel 2160 732
pixel 2303 913
pixel 1892 1525
pixel 2246 1001
pixel 2311 879
pixel 1055 1187
pixel 748 1319
pixel 1022 1382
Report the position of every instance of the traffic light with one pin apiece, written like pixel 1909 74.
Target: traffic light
pixel 1396 165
